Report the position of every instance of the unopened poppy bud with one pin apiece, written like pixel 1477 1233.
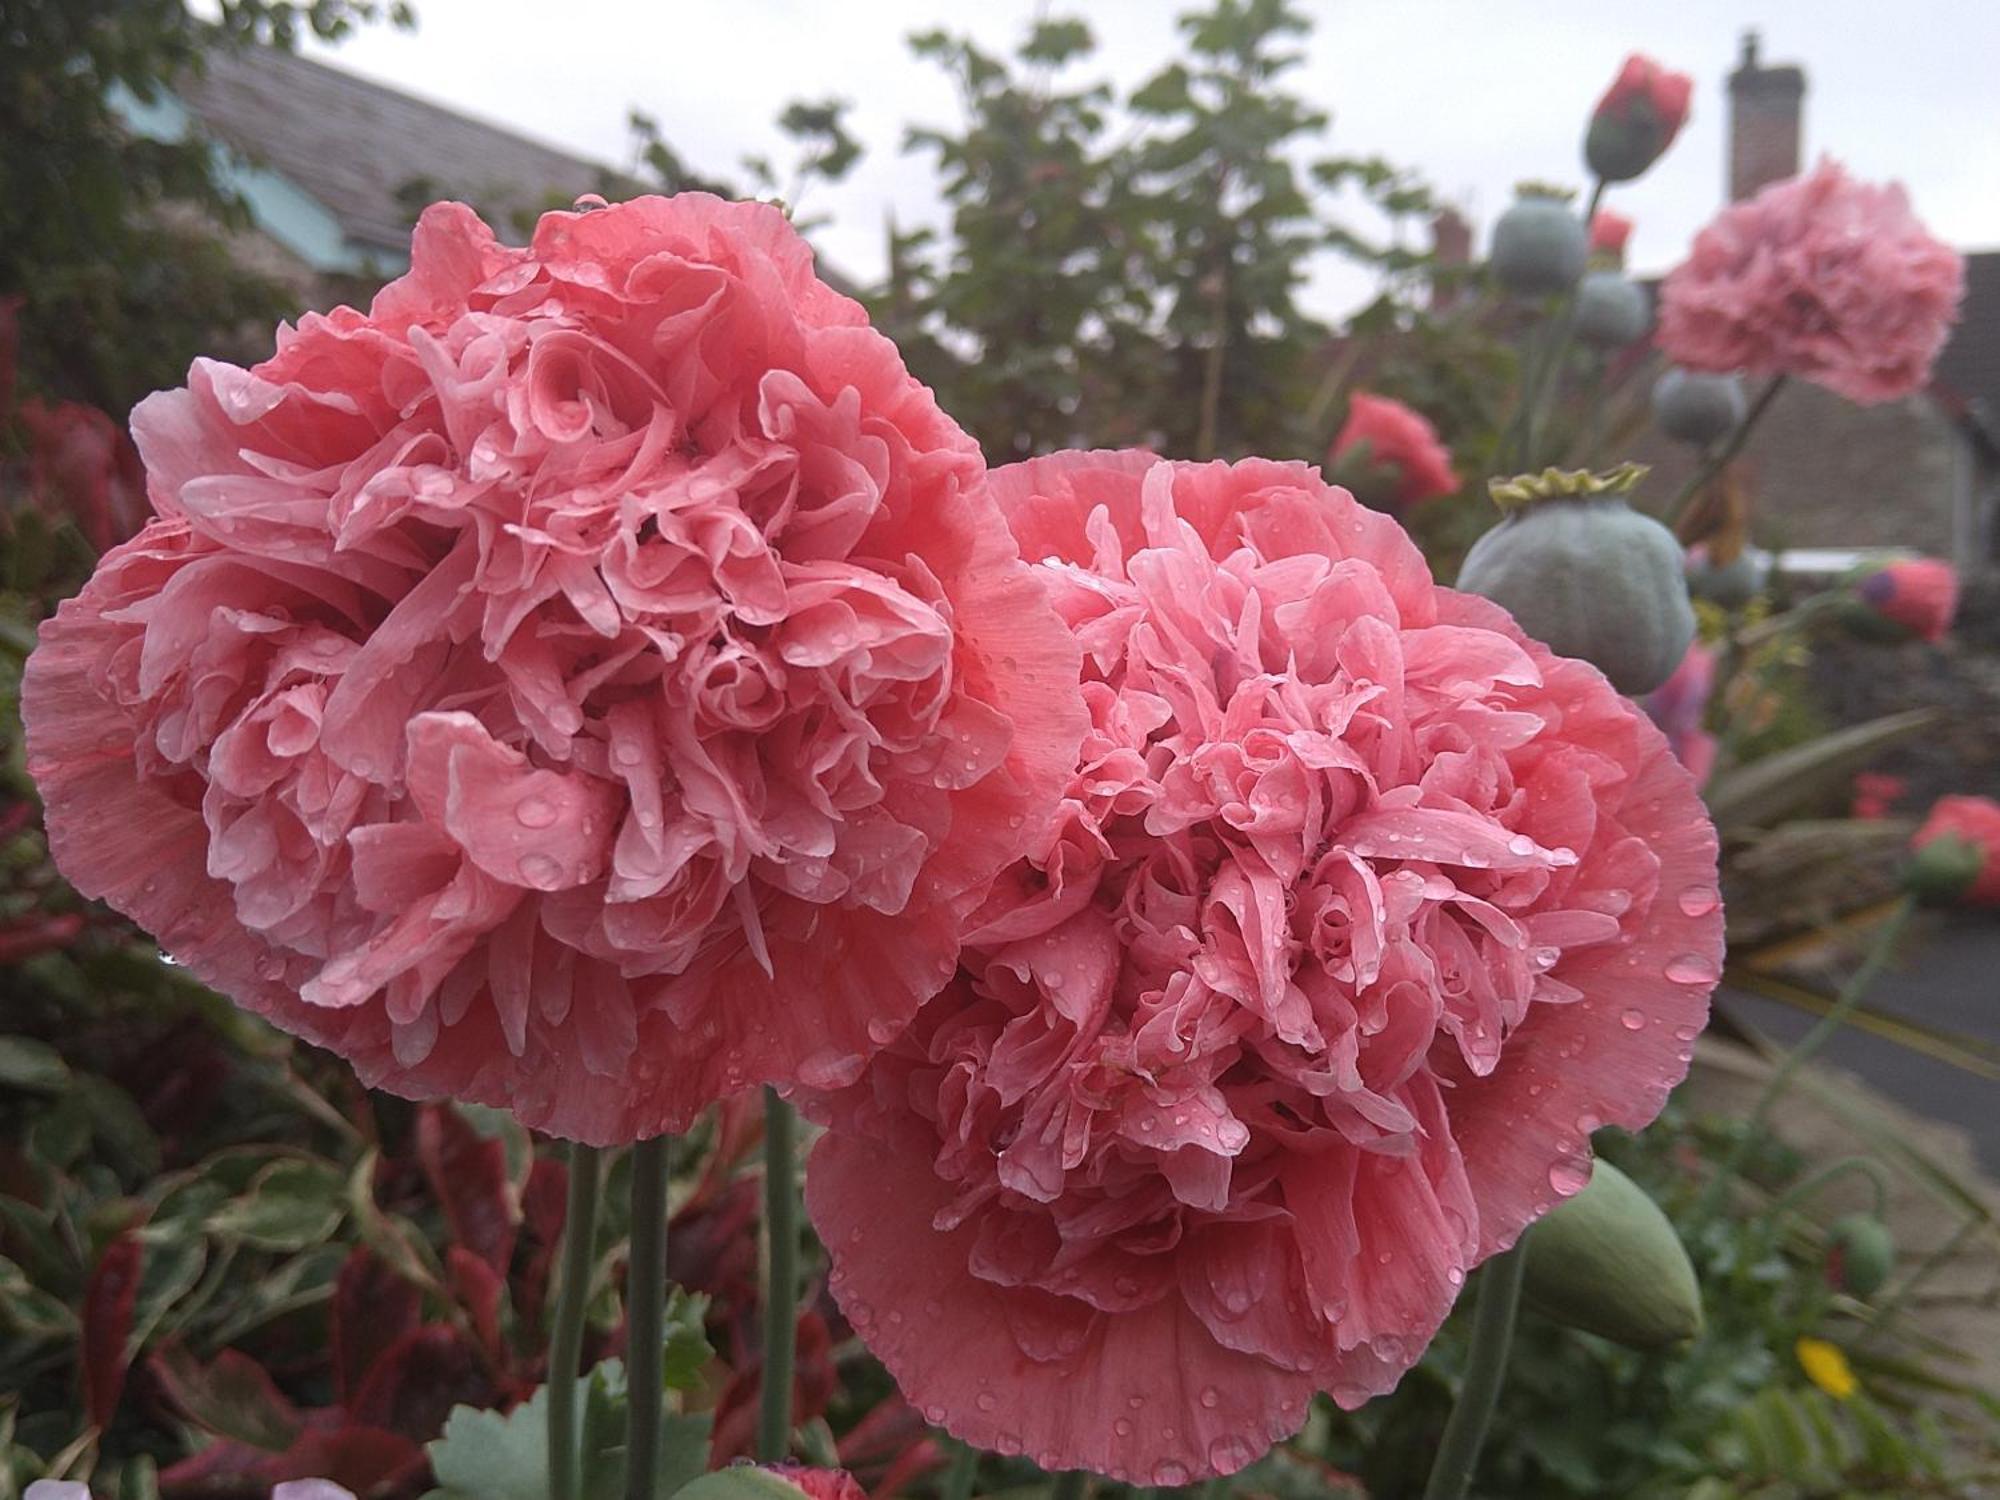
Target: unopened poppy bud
pixel 1608 1261
pixel 1637 119
pixel 1860 1254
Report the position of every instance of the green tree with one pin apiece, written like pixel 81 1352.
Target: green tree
pixel 110 239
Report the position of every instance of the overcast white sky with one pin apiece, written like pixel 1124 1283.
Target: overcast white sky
pixel 1474 94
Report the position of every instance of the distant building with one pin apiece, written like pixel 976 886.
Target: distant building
pixel 1923 472
pixel 335 168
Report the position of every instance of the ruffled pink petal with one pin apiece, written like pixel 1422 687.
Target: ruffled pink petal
pixel 1147 1397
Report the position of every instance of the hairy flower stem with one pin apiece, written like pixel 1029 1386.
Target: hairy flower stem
pixel 645 1319
pixel 1719 457
pixel 566 1338
pixel 1851 995
pixel 1486 1368
pixel 958 1479
pixel 781 1278
pixel 1547 381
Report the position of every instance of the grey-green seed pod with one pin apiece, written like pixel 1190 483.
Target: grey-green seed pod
pixel 1611 310
pixel 1698 408
pixel 1592 578
pixel 1539 247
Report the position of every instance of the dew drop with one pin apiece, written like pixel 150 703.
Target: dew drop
pixel 1455 1276
pixel 933 1414
pixel 986 1401
pixel 540 871
pixel 1633 1020
pixel 1210 1397
pixel 535 812
pixel 1169 1473
pixel 1587 1122
pixel 1123 1426
pixel 1692 968
pixel 1520 844
pixel 1135 1401
pixel 1229 1454
pixel 626 753
pixel 1570 1176
pixel 1126 1286
pixel 1700 900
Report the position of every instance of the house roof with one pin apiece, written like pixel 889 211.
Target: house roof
pixel 368 154
pixel 1969 368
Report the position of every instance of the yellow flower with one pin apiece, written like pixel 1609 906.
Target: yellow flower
pixel 1826 1366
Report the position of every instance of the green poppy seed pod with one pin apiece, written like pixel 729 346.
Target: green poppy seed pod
pixel 1592 578
pixel 1608 1261
pixel 1860 1253
pixel 1698 408
pixel 1732 584
pixel 1942 869
pixel 1540 248
pixel 1611 310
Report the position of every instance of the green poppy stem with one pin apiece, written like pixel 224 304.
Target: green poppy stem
pixel 566 1337
pixel 1719 457
pixel 645 1320
pixel 1485 1370
pixel 781 1273
pixel 1851 995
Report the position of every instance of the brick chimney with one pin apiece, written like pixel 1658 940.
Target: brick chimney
pixel 1451 244
pixel 1765 112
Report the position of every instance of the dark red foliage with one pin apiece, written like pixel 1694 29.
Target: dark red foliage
pixel 373 1307
pixel 468 1174
pixel 108 1301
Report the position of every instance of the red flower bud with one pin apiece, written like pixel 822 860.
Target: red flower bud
pixel 1637 119
pixel 1955 856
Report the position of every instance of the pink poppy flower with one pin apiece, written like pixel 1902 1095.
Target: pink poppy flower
pixel 1918 593
pixel 1609 232
pixel 1876 794
pixel 591 681
pixel 1397 439
pixel 1361 913
pixel 1819 276
pixel 1680 706
pixel 1972 824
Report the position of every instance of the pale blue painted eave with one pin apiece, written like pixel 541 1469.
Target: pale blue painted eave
pixel 281 208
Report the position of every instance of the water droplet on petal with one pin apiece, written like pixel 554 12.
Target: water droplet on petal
pixel 986 1401
pixel 1520 844
pixel 1228 1454
pixel 1700 900
pixel 1692 968
pixel 1210 1397
pixel 1570 1176
pixel 1123 1427
pixel 1167 1472
pixel 1633 1020
pixel 540 872
pixel 535 812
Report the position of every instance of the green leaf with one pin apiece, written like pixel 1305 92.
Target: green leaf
pixel 688 1352
pixel 31 1065
pixel 289 1205
pixel 30 1311
pixel 485 1455
pixel 1765 790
